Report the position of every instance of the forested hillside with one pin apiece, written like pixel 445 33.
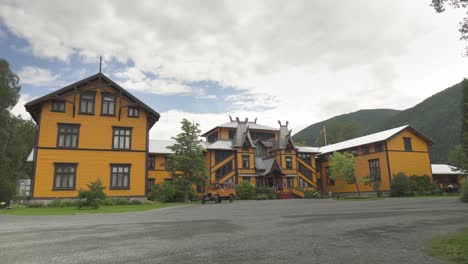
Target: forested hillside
pixel 438 117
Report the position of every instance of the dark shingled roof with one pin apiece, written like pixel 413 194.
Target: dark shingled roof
pixel 242 135
pixel 264 165
pixel 284 138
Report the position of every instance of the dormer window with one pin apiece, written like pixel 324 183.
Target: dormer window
pixel 133 111
pixel 108 104
pixel 58 106
pixel 245 147
pixel 87 103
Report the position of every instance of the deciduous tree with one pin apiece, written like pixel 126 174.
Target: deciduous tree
pixel 188 159
pixel 343 167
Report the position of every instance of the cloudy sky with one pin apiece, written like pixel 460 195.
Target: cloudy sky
pixel 301 61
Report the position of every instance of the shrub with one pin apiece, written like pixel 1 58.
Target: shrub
pixel 313 195
pixel 180 194
pixel 464 193
pixel 35 205
pixel 93 196
pixel 164 192
pixel 268 191
pixel 115 201
pixel 261 197
pixel 421 185
pixel 245 191
pixel 55 203
pixel 399 185
pixel 147 202
pixel 136 202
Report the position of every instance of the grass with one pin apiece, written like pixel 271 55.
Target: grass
pixel 451 247
pixel 74 210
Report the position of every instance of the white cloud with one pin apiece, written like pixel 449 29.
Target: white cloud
pixel 36 76
pixel 19 110
pixel 309 60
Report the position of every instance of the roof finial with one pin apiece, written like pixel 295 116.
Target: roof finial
pixel 237 119
pixel 279 122
pixel 100 63
pixel 287 122
pixel 230 118
pixel 246 120
pixel 255 121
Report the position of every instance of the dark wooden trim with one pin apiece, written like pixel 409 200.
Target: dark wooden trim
pixel 75 197
pixel 113 135
pixel 77 135
pixel 102 104
pixel 65 164
pixel 94 149
pixel 93 93
pixel 388 165
pixel 112 165
pixel 414 151
pixel 55 101
pixel 35 151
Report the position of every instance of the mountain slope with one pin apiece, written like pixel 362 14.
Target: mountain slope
pixel 438 117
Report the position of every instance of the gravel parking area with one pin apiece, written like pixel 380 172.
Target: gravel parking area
pixel 275 231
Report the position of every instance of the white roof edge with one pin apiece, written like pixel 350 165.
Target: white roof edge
pixel 446 169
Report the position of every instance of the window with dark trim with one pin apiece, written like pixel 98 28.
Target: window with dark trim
pixel 58 106
pixel 223 170
pixel 301 183
pixel 290 182
pixel 365 150
pixel 374 169
pixel 245 161
pixel 68 135
pixel 122 138
pixel 306 157
pixel 212 137
pixel 231 134
pixel 133 111
pixel 120 176
pixel 246 179
pixel 221 155
pixel 107 104
pixel 151 162
pixel 378 147
pixel 407 143
pixel 169 164
pixel 331 182
pixel 87 103
pixel 245 147
pixel 64 176
pixel 289 163
pixel 353 151
pixel 288 148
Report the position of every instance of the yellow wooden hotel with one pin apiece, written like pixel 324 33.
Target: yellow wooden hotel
pixel 96 129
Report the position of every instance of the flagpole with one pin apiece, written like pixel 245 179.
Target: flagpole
pixel 325 134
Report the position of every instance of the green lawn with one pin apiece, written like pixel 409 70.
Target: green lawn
pixel 452 247
pixel 74 210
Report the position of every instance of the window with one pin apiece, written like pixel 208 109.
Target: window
pixel 65 176
pixel 260 151
pixel 378 147
pixel 408 145
pixel 306 157
pixel 245 147
pixel 245 179
pixel 331 182
pixel 67 136
pixel 302 183
pixel 261 135
pixel 120 176
pixel 58 106
pixel 133 111
pixel 108 104
pixel 224 170
pixel 374 169
pixel 168 164
pixel 245 161
pixel 151 163
pixel 231 134
pixel 290 182
pixel 305 171
pixel 365 150
pixel 289 164
pixel 87 103
pixel 221 155
pixel 353 151
pixel 288 148
pixel 213 137
pixel 122 138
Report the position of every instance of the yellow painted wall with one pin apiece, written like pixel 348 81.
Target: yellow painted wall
pixel 159 173
pixel 91 166
pixel 95 132
pixel 414 162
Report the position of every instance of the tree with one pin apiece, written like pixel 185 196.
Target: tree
pixel 92 196
pixel 16 135
pixel 188 159
pixel 457 158
pixel 343 167
pixel 464 117
pixel 439 6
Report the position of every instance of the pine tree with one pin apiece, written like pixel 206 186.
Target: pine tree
pixel 188 159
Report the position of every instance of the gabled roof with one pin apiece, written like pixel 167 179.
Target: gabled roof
pixel 33 106
pixel 242 135
pixel 308 150
pixel 372 138
pixel 265 165
pixel 221 144
pixel 233 124
pixel 446 169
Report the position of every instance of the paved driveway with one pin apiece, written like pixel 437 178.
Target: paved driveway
pixel 280 231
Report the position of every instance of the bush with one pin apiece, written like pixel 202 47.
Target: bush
pixel 313 195
pixel 136 202
pixel 261 197
pixel 115 201
pixel 245 191
pixel 399 185
pixel 164 192
pixel 464 193
pixel 35 205
pixel 180 194
pixel 93 196
pixel 268 191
